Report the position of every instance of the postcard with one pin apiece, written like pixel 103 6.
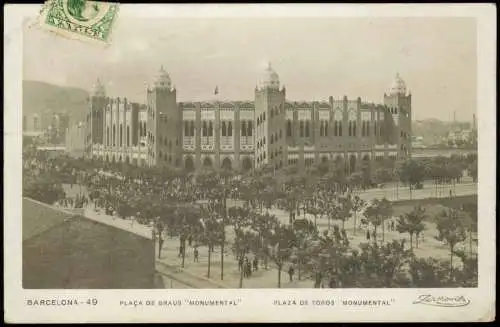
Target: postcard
pixel 249 163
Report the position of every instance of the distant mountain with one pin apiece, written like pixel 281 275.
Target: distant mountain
pixel 41 97
pixel 433 130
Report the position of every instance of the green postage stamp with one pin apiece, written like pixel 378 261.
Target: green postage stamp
pixel 80 19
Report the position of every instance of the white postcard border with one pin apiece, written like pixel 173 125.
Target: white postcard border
pixel 254 305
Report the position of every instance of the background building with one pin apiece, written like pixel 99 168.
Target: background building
pixel 242 135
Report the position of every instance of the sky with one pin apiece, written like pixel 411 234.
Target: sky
pixel 315 57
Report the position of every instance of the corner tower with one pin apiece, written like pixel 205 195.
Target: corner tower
pixel 163 122
pixel 95 117
pixel 398 102
pixel 269 120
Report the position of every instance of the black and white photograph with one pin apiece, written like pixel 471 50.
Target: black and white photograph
pixel 259 152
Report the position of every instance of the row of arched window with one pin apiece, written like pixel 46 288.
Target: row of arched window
pixel 207 129
pixel 302 129
pixel 246 128
pixel 352 128
pixel 275 111
pixel 227 128
pixel 261 143
pixel 142 129
pixel 323 128
pixel 365 128
pixel 189 128
pixel 276 152
pixel 275 137
pixel 261 118
pixel 112 139
pixel 261 157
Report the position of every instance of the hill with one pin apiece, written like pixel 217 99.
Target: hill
pixel 433 129
pixel 41 97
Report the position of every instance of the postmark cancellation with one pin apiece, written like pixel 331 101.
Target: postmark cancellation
pixel 89 21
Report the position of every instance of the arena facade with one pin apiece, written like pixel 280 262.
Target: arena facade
pixel 245 135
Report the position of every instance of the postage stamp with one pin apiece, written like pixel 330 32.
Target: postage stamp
pixel 172 177
pixel 81 19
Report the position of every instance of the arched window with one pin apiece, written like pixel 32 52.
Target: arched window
pixel 210 129
pixel 335 128
pixel 186 128
pixel 230 129
pixel 224 132
pixel 301 128
pixel 205 130
pixel 289 128
pixel 340 128
pixel 325 129
pixel 128 135
pixel 354 128
pixel 243 128
pixel 350 128
pixel 249 129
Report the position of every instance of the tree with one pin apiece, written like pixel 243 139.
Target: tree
pixel 244 235
pixel 382 177
pixel 472 169
pixel 326 259
pixel 356 181
pixel 278 245
pixel 344 208
pixel 451 231
pixel 211 234
pixel 412 173
pixel 429 273
pixel 386 212
pixel 187 222
pixel 412 223
pixel 304 234
pixel 373 213
pixel 470 222
pixel 357 205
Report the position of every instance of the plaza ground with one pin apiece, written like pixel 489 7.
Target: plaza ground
pixel 195 274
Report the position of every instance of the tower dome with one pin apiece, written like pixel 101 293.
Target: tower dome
pixel 99 90
pixel 163 80
pixel 398 86
pixel 270 79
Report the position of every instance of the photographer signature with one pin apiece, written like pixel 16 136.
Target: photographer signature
pixel 442 301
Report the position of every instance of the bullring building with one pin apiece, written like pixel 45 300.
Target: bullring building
pixel 245 135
